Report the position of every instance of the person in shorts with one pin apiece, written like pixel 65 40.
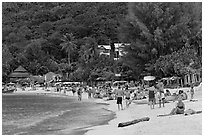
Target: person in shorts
pixel 119 96
pixel 152 99
pixel 127 97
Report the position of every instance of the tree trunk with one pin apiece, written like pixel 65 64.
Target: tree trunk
pixel 133 122
pixel 112 51
pixel 69 62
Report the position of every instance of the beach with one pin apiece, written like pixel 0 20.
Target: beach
pixel 169 125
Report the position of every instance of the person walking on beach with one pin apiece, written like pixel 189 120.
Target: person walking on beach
pixel 79 93
pixel 73 89
pixel 119 95
pixel 89 92
pixel 192 93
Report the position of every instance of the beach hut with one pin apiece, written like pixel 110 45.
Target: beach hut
pixel 19 73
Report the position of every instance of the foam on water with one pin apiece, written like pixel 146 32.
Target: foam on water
pixel 36 114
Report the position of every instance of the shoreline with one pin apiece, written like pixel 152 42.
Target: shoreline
pixel 68 131
pixel 170 125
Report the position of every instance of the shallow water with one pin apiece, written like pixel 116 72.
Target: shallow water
pixel 47 115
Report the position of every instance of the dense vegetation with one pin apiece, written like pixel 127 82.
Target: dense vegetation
pixel 63 38
pixel 165 37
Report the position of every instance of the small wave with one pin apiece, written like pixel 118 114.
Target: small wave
pixel 102 103
pixel 33 121
pixel 52 115
pixel 21 133
pixel 62 112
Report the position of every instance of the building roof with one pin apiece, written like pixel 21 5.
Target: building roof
pixel 104 47
pixel 19 75
pixel 117 45
pixel 20 72
pixel 20 69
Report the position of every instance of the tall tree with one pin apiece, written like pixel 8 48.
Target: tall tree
pixel 89 50
pixel 68 45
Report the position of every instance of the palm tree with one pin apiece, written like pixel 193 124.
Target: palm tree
pixel 89 50
pixel 68 45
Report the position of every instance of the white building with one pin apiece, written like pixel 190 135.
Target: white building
pixel 119 52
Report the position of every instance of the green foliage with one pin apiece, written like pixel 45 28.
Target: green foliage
pixel 178 63
pixel 158 29
pixel 68 45
pixel 41 35
pixel 63 37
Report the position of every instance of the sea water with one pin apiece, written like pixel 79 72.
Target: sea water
pixel 50 115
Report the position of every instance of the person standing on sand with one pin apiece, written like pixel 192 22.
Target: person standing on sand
pixel 127 96
pixel 119 95
pixel 152 99
pixel 192 92
pixel 161 97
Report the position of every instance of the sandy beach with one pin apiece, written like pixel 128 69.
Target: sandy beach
pixel 169 125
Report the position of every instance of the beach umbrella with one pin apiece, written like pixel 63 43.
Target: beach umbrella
pixel 10 83
pixel 100 79
pixel 174 78
pixel 149 78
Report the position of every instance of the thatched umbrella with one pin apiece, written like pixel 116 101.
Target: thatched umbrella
pixel 19 73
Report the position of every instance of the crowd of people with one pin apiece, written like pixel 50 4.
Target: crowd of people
pixel 154 93
pixel 127 93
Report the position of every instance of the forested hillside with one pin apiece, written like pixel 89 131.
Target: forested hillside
pixel 63 38
pixel 35 34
